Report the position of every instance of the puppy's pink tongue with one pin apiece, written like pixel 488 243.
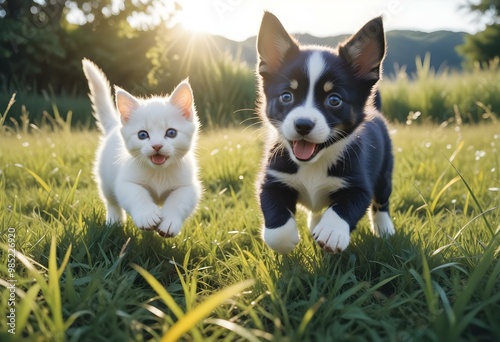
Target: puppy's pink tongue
pixel 158 159
pixel 303 150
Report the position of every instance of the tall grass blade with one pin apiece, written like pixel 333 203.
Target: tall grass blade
pixel 53 296
pixel 39 179
pixel 237 329
pixel 441 192
pixel 160 290
pixel 25 306
pixel 309 315
pixel 474 284
pixel 198 313
pixel 426 284
pixel 9 105
pixel 51 293
pixel 443 173
pixel 476 201
pixel 71 194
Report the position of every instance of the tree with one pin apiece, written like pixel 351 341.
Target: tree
pixel 483 46
pixel 39 45
pixel 28 36
pixel 489 8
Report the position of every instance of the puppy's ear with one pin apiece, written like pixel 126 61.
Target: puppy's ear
pixel 365 50
pixel 274 44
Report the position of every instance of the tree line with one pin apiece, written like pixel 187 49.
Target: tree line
pixel 39 47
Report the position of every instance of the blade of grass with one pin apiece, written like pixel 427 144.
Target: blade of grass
pixel 53 297
pixel 160 290
pixel 474 198
pixel 441 192
pixel 309 315
pixel 198 313
pixel 237 329
pixel 40 181
pixel 9 105
pixel 475 281
pixel 443 173
pixel 26 305
pixel 424 279
pixel 430 295
pixel 374 288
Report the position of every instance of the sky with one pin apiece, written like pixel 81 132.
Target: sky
pixel 240 19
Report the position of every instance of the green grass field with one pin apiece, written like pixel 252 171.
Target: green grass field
pixel 77 279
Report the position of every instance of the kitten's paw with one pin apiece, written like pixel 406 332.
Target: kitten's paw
pixel 147 218
pixel 332 233
pixel 169 227
pixel 114 214
pixel 115 219
pixel 381 224
pixel 283 239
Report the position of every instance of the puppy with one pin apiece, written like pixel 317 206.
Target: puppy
pixel 328 148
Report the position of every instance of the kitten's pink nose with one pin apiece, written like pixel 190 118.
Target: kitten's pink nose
pixel 157 147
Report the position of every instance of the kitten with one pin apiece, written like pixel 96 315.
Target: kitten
pixel 146 161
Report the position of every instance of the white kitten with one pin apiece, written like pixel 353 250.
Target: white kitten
pixel 146 161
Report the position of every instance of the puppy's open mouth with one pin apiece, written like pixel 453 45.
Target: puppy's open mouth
pixel 304 150
pixel 158 159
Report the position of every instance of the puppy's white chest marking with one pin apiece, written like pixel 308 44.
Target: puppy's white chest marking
pixel 312 181
pixel 313 185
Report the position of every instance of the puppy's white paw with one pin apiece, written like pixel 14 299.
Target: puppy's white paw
pixel 332 233
pixel 283 239
pixel 381 224
pixel 147 218
pixel 169 227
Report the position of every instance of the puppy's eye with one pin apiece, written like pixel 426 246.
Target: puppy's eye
pixel 171 133
pixel 143 135
pixel 334 100
pixel 286 97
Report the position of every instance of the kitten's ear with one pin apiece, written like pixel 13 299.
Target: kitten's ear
pixel 182 98
pixel 274 44
pixel 126 103
pixel 365 50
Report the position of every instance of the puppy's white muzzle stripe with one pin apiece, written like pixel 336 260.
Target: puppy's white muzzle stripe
pixel 320 131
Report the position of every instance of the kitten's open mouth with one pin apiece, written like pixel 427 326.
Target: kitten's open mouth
pixel 158 159
pixel 304 150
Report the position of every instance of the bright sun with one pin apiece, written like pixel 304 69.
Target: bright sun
pixel 193 16
pixel 227 18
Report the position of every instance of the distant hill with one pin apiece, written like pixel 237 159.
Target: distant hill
pixel 403 47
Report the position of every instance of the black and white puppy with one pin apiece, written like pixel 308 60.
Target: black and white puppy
pixel 329 149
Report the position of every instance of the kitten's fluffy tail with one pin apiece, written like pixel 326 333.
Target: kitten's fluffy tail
pixel 100 95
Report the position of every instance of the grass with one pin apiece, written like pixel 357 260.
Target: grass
pixel 442 95
pixel 77 279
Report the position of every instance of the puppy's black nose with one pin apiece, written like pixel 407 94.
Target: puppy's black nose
pixel 303 126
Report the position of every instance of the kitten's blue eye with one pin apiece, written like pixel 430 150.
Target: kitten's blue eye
pixel 334 100
pixel 143 135
pixel 171 133
pixel 286 97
